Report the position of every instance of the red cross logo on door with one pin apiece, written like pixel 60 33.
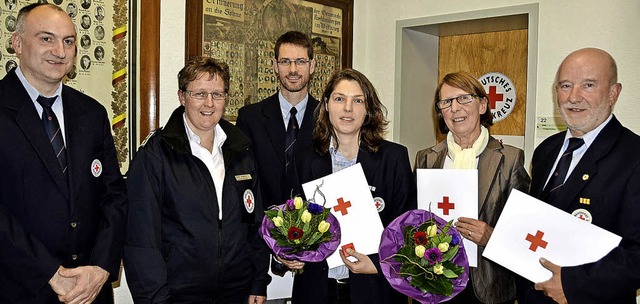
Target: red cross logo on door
pixel 494 96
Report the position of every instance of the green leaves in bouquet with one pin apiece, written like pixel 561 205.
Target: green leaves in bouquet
pixel 419 264
pixel 309 234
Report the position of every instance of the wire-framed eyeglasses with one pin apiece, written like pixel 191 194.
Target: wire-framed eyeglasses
pixel 287 62
pixel 201 95
pixel 462 99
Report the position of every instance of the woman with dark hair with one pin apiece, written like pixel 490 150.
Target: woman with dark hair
pixel 350 129
pixel 463 113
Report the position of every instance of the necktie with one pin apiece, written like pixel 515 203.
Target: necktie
pixel 52 127
pixel 557 178
pixel 292 134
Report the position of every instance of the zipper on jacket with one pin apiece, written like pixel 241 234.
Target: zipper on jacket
pixel 220 259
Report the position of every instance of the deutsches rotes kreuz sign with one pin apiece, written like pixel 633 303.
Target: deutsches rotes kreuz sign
pixel 501 92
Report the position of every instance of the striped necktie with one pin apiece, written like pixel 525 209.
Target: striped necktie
pixel 559 175
pixel 292 134
pixel 52 128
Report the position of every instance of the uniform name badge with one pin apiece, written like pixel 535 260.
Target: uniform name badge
pixel 249 200
pixel 96 167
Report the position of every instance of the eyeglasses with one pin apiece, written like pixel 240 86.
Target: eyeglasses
pixel 462 99
pixel 287 62
pixel 203 95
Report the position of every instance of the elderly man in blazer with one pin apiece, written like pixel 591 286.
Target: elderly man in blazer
pixel 601 183
pixel 62 197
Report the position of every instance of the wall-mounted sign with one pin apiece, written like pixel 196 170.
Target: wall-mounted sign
pixel 501 92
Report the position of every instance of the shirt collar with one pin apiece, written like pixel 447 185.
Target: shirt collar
pixel 590 136
pixel 32 91
pixel 285 107
pixel 218 139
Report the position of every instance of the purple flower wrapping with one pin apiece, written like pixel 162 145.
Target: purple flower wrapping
pixel 324 250
pixel 391 241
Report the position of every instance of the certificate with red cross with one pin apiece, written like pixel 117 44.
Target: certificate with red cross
pixel 529 229
pixel 451 193
pixel 347 194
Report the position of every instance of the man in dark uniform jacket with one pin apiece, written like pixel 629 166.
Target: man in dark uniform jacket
pixel 267 121
pixel 62 198
pixel 601 185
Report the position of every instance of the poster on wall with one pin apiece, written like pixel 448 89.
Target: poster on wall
pixel 100 70
pixel 243 33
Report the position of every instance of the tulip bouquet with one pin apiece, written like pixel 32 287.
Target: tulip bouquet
pixel 423 257
pixel 301 230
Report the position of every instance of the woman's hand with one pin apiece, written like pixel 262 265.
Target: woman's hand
pixel 474 230
pixel 363 265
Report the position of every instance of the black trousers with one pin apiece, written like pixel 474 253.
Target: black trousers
pixel 339 291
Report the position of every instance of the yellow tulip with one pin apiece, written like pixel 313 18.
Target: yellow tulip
pixel 432 230
pixel 438 269
pixel 420 251
pixel 323 226
pixel 305 217
pixel 277 221
pixel 443 247
pixel 297 202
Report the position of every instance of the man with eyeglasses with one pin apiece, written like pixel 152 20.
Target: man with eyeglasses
pixel 195 203
pixel 283 122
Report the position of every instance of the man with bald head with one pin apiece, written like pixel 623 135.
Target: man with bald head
pixel 62 197
pixel 601 185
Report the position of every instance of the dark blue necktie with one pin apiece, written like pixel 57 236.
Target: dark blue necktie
pixel 557 178
pixel 292 135
pixel 52 128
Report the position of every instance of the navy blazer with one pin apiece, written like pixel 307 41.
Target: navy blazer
pixel 608 175
pixel 44 223
pixel 389 175
pixel 264 125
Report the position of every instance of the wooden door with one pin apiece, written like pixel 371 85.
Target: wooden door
pixel 502 51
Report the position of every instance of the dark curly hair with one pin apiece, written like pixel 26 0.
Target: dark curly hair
pixel 375 122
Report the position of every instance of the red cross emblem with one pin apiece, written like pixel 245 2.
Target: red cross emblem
pixel 249 201
pixel 342 206
pixel 445 205
pixel 96 168
pixel 536 241
pixel 494 97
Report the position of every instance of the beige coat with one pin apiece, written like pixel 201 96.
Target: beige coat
pixel 500 169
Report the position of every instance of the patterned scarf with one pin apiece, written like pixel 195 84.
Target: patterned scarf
pixel 466 158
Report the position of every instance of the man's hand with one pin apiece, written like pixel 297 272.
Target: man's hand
pixel 552 288
pixel 60 284
pixel 257 299
pixel 474 230
pixel 363 264
pixel 89 281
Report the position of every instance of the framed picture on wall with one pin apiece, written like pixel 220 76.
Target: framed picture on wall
pixel 242 33
pixel 102 66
